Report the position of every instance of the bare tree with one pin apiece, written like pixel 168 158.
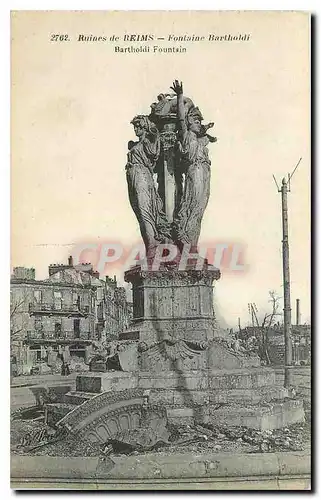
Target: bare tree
pixel 269 319
pixel 268 322
pixel 15 312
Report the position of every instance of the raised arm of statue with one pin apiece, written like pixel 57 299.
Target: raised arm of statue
pixel 178 89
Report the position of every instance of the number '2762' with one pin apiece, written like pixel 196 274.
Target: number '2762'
pixel 59 38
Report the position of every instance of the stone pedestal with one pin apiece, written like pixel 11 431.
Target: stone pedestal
pixel 174 322
pixel 173 304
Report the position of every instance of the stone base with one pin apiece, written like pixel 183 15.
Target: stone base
pixel 174 323
pixel 175 363
pixel 243 397
pixel 193 380
pixel 173 302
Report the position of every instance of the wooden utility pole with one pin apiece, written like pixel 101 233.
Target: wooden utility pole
pixel 286 286
pixel 285 188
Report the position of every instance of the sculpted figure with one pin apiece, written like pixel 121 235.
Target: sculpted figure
pixel 167 105
pixel 144 199
pixel 194 164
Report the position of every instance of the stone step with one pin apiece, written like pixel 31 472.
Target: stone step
pixel 204 397
pixel 259 416
pixel 77 398
pixel 255 395
pixel 241 378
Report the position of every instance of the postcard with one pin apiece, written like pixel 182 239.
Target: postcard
pixel 160 282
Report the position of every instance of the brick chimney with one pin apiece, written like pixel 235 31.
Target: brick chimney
pixel 298 319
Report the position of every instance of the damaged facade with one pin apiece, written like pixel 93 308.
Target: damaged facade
pixel 60 317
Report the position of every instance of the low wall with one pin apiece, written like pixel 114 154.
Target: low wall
pixel 271 471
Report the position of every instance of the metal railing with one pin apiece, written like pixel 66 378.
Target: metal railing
pixel 39 336
pixel 45 308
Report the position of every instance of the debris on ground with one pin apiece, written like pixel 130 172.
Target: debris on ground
pixel 294 437
pixel 29 437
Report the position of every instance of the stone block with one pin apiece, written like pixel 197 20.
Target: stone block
pixel 118 381
pixel 221 357
pixel 154 381
pixel 230 381
pixel 189 380
pixel 242 378
pixel 274 416
pixel 187 398
pixel 88 383
pixel 77 398
pixel 198 382
pixel 191 329
pixel 108 381
pixel 198 362
pixel 251 396
pixel 128 357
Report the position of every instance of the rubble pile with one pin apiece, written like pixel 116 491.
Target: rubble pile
pixel 181 439
pixel 286 439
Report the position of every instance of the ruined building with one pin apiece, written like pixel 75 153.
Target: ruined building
pixel 63 314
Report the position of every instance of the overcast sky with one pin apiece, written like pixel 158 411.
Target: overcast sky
pixel 71 107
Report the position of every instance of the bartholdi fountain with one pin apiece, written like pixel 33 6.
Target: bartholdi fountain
pixel 172 365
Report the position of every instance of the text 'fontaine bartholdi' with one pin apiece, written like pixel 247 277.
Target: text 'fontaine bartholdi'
pixel 145 40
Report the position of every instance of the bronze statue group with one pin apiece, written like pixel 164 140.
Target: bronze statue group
pixel 192 161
